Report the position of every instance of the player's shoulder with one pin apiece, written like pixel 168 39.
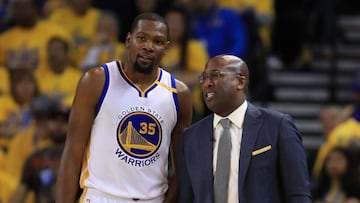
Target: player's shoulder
pixel 181 87
pixel 93 77
pixel 94 72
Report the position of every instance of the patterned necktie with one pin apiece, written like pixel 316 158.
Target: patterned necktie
pixel 221 179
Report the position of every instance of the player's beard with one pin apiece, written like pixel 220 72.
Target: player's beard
pixel 144 69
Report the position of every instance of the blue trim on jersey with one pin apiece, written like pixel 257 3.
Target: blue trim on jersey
pixel 118 65
pixel 126 78
pixel 175 96
pixel 105 89
pixel 141 93
pixel 155 85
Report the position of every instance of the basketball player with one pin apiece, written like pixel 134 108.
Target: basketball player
pixel 125 117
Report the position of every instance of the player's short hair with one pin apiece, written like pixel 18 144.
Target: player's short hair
pixel 150 16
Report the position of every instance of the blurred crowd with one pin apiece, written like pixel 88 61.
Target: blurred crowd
pixel 46 46
pixel 335 165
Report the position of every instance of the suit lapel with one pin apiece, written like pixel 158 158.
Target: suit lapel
pixel 251 128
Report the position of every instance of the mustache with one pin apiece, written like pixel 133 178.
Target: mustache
pixel 146 54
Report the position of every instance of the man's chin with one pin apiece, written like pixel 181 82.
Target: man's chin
pixel 145 69
pixel 210 105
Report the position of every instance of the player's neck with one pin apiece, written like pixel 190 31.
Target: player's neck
pixel 143 81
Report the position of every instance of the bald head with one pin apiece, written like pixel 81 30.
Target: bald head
pixel 236 64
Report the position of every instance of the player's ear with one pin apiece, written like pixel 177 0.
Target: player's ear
pixel 127 41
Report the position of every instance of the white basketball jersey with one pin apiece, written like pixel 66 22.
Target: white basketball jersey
pixel 127 156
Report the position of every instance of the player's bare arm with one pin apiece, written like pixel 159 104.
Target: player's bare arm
pixel 80 122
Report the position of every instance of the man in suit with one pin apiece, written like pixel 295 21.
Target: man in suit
pixel 268 163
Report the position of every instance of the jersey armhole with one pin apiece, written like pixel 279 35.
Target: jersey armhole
pixel 105 88
pixel 175 96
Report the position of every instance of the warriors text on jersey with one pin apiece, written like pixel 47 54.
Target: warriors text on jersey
pixel 127 156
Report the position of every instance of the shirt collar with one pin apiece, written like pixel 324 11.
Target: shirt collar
pixel 236 117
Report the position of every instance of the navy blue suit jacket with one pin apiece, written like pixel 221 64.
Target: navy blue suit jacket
pixel 275 175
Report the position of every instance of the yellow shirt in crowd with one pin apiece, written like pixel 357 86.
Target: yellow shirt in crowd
pixel 7 186
pixel 7 182
pixel 9 108
pixel 196 58
pixel 20 148
pixel 4 81
pixel 62 85
pixel 19 46
pixel 81 28
pixel 344 134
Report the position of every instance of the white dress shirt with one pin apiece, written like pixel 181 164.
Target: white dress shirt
pixel 236 129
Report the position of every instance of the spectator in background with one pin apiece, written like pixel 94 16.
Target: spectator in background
pixel 329 118
pixel 79 18
pixel 7 182
pixel 4 81
pixel 40 170
pixel 3 9
pixel 106 47
pixel 15 113
pixel 61 79
pixel 24 45
pixel 50 6
pixel 185 57
pixel 256 17
pixel 336 177
pixel 5 17
pixel 261 10
pixel 346 133
pixel 142 6
pixel 123 10
pixel 158 6
pixel 221 30
pixel 32 139
pixel 127 10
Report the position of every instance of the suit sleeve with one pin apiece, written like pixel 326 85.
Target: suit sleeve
pixel 292 163
pixel 185 194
